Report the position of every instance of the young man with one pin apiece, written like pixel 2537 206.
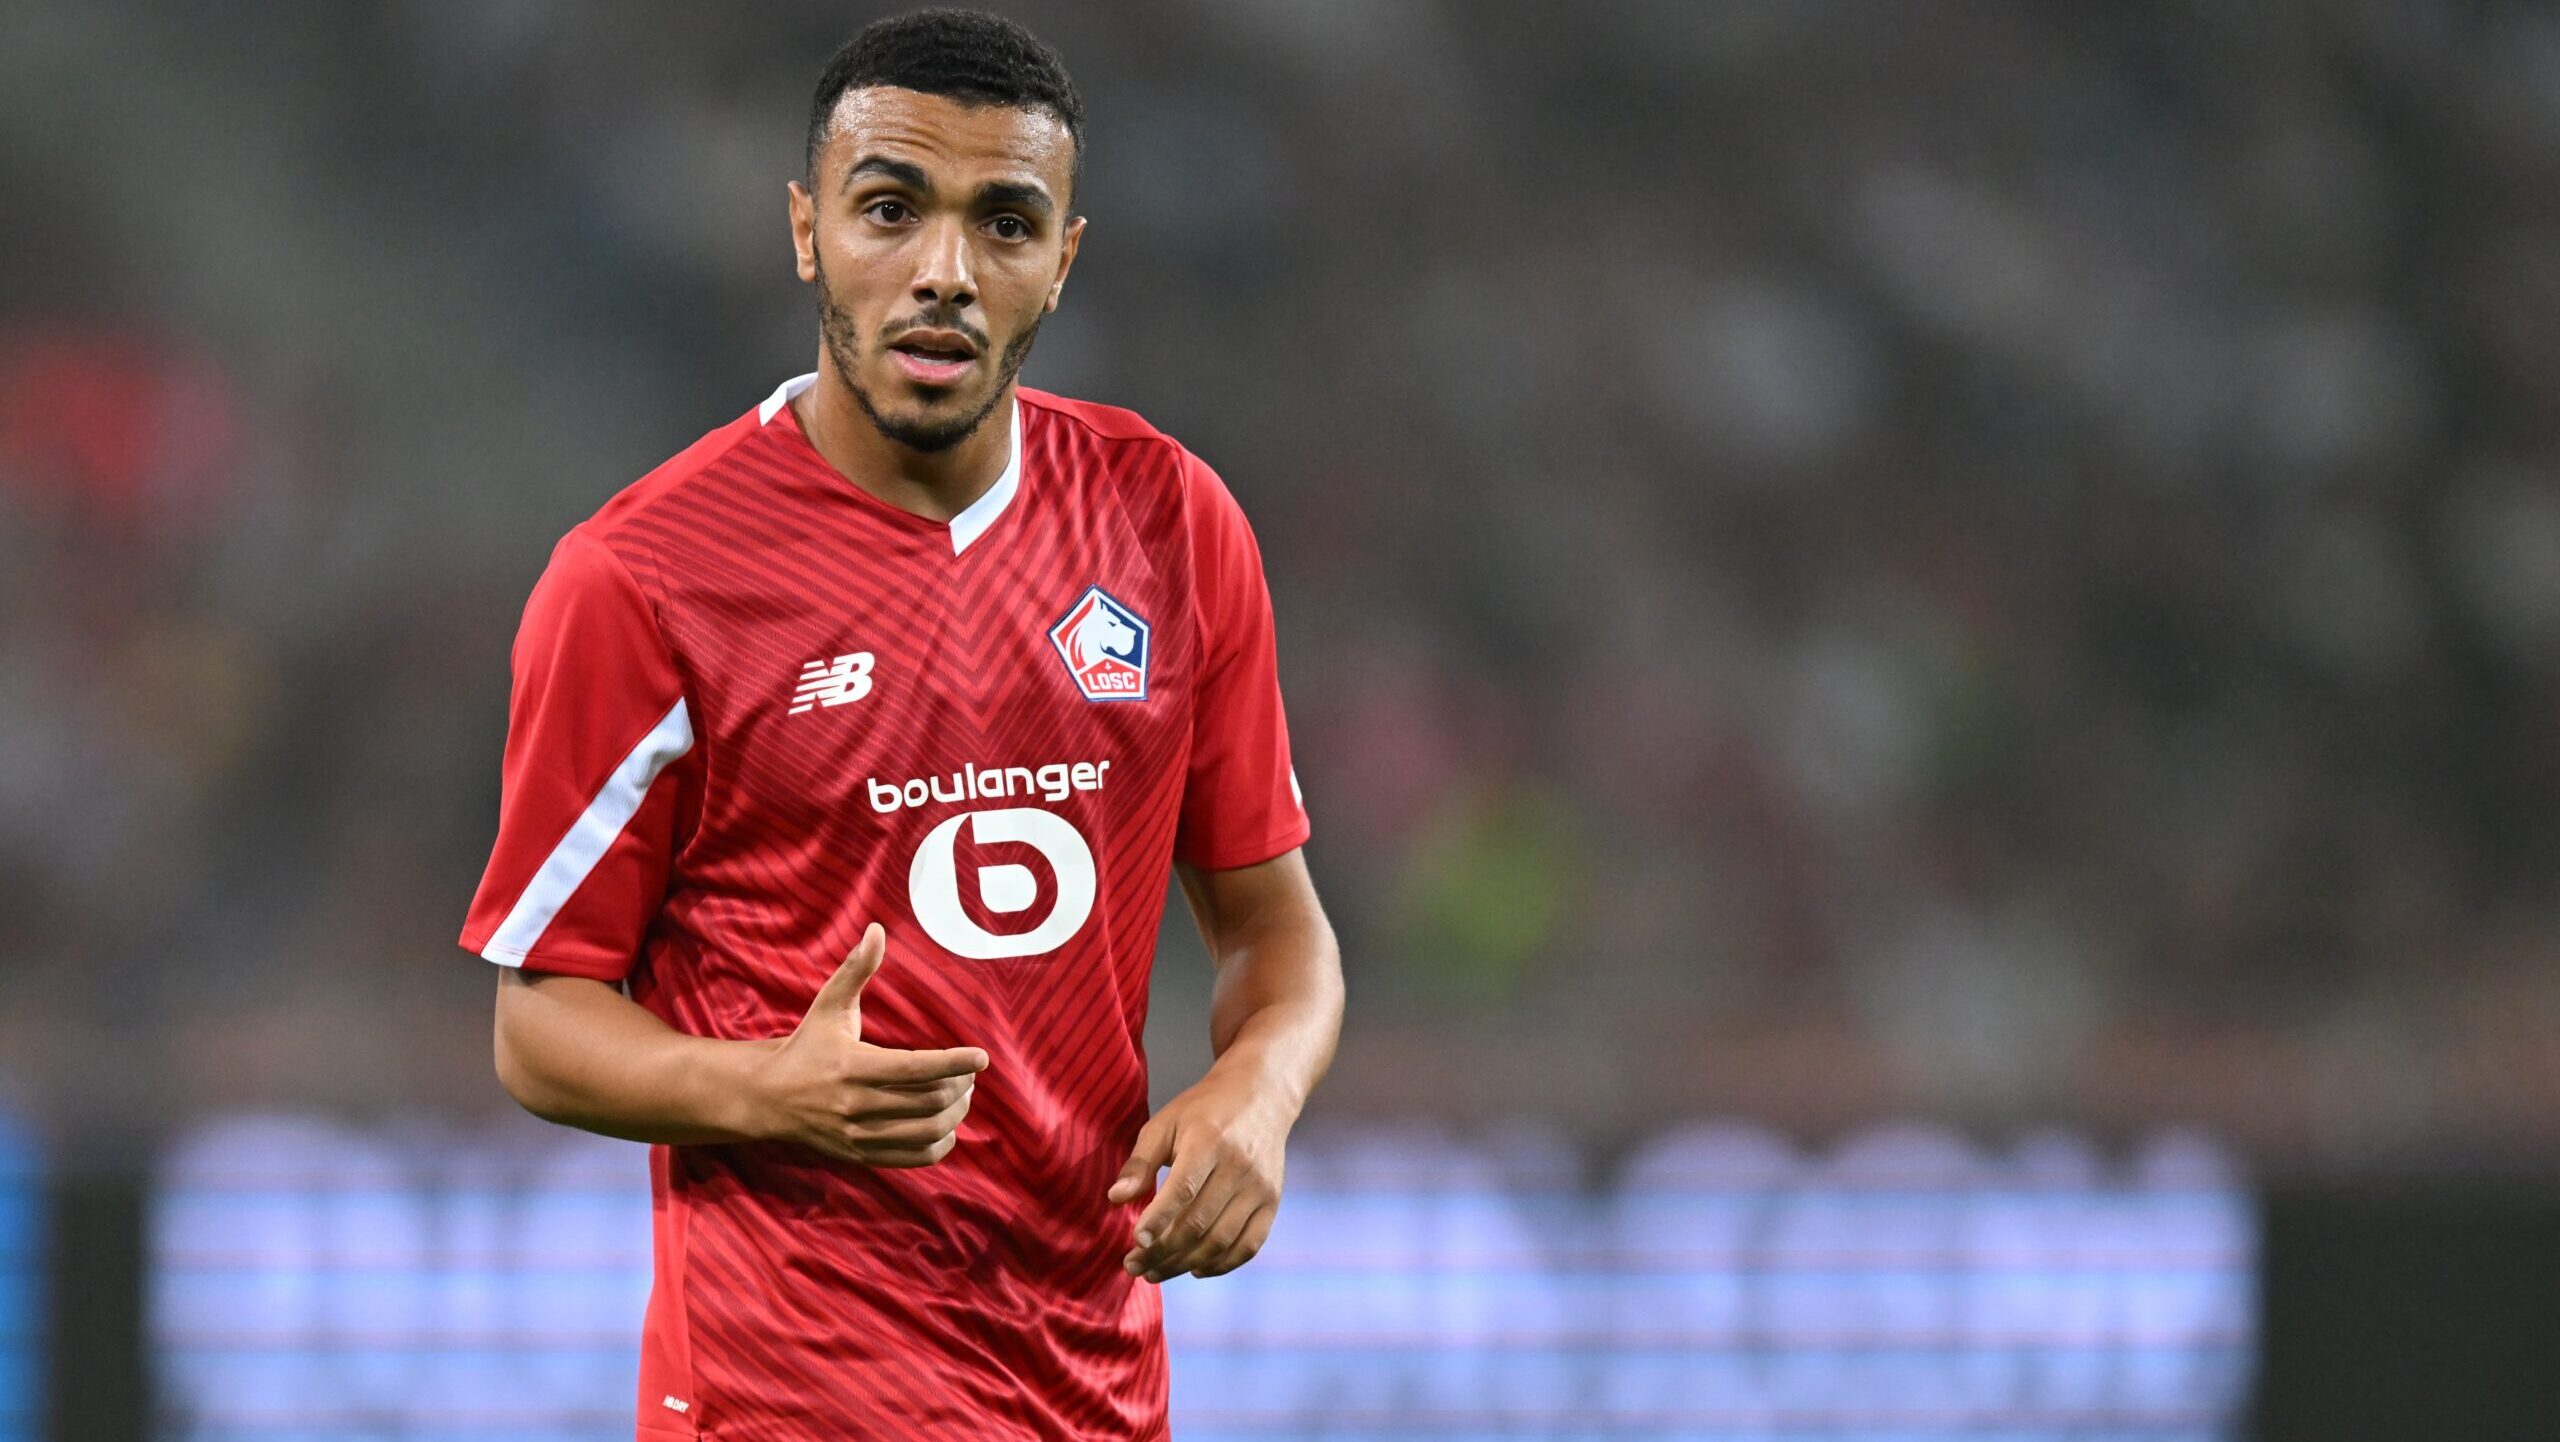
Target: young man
pixel 847 755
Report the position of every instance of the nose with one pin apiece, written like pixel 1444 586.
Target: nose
pixel 944 276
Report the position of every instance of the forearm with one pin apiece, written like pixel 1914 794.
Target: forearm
pixel 1276 1012
pixel 1273 1020
pixel 579 1053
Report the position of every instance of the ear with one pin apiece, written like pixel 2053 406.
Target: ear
pixel 1066 262
pixel 804 230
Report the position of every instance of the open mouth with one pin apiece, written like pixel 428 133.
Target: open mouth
pixel 934 358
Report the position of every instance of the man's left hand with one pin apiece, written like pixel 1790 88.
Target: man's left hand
pixel 1225 1140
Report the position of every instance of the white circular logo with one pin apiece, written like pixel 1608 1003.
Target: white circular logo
pixel 933 883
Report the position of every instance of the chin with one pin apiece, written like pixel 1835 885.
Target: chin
pixel 935 403
pixel 924 417
pixel 933 427
pixel 915 402
pixel 931 410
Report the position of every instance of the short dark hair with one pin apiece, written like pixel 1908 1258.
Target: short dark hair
pixel 965 55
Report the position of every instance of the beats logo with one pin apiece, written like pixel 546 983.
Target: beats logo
pixel 933 883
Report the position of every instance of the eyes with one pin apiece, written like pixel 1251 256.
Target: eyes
pixel 893 212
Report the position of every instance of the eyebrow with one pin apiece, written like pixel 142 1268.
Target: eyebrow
pixel 906 173
pixel 1014 193
pixel 911 175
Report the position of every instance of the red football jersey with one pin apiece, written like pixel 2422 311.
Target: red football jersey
pixel 756 708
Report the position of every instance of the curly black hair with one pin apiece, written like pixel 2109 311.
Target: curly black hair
pixel 965 55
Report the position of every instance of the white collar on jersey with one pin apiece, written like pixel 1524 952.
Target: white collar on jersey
pixel 971 523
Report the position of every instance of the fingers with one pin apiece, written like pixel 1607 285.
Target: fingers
pixel 1181 1188
pixel 914 1132
pixel 1192 1168
pixel 842 995
pixel 1153 1150
pixel 915 1099
pixel 1181 1241
pixel 1247 1244
pixel 1215 1207
pixel 905 1140
pixel 1220 1239
pixel 885 1066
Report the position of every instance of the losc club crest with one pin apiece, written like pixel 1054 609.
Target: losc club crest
pixel 1105 647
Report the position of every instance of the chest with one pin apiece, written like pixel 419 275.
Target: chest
pixel 858 673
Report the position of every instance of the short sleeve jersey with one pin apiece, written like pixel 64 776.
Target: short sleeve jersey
pixel 755 709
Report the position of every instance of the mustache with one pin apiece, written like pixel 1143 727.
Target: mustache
pixel 934 321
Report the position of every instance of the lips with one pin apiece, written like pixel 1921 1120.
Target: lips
pixel 923 366
pixel 936 357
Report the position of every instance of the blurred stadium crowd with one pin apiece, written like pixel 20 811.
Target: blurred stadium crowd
pixel 1834 559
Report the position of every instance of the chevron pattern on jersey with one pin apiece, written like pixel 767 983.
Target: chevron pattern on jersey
pixel 981 1297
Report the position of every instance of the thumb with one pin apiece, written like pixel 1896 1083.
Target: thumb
pixel 1154 1150
pixel 842 995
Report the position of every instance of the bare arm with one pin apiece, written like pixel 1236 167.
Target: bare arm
pixel 577 1052
pixel 1277 1005
pixel 1273 1020
pixel 580 1053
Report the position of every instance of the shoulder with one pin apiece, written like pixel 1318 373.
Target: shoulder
pixel 605 580
pixel 1128 448
pixel 1102 422
pixel 1109 438
pixel 668 509
pixel 677 483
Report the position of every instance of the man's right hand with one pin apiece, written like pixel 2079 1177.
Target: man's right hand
pixel 825 1087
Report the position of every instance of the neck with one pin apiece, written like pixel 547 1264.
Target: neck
pixel 936 485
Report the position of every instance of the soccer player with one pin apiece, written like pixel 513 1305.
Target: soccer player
pixel 847 756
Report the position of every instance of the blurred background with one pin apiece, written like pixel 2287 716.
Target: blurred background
pixel 1924 642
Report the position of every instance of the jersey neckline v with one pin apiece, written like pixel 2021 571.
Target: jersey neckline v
pixel 965 529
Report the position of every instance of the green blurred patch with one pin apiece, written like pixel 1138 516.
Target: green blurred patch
pixel 1485 889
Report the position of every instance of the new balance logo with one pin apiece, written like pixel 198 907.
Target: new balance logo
pixel 832 683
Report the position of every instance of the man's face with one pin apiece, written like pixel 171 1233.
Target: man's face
pixel 937 235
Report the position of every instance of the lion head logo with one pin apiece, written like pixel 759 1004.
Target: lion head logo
pixel 1104 644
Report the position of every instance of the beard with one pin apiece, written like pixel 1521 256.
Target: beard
pixel 836 331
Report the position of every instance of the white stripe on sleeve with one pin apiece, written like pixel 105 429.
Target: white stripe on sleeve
pixel 578 852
